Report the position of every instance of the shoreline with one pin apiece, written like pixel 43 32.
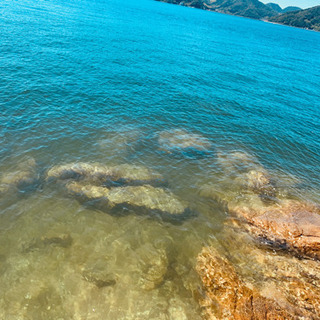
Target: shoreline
pixel 235 15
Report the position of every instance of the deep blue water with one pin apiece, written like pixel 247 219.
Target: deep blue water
pixel 88 80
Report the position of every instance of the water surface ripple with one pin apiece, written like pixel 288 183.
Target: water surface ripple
pixel 100 81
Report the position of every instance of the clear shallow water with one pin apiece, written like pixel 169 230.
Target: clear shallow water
pixel 97 81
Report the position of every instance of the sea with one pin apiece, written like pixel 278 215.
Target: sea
pixel 180 91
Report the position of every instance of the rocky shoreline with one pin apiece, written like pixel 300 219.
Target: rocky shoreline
pixel 277 236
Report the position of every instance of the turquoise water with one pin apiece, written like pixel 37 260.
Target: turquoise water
pixel 98 81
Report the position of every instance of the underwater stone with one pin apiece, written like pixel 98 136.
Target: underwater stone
pixel 24 176
pixel 178 140
pixel 80 170
pixel 124 141
pixel 139 197
pixel 99 173
pixel 99 275
pixel 228 297
pixel 137 175
pixel 62 241
pixel 177 310
pixel 154 266
pixel 236 162
pixel 259 182
pixel 243 179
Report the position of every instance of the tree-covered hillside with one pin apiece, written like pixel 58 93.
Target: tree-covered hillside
pixel 308 19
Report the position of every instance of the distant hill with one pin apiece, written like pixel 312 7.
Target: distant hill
pixel 246 8
pixel 274 7
pixel 289 9
pixel 278 9
pixel 308 18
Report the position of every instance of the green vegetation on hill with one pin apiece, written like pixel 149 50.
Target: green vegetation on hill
pixel 308 19
pixel 278 9
pixel 274 7
pixel 289 9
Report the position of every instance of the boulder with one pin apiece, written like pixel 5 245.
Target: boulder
pixel 181 141
pixel 291 224
pixel 97 173
pixel 227 297
pixel 142 198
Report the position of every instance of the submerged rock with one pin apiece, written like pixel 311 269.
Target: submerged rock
pixel 145 198
pixel 94 171
pixel 236 162
pixel 137 175
pixel 23 177
pixel 62 241
pixel 154 265
pixel 121 141
pixel 259 182
pixel 291 224
pixel 101 174
pixel 99 275
pixel 181 141
pixel 228 297
pixel 247 173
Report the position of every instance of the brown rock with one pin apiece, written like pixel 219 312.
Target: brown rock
pixel 294 283
pixel 290 223
pixel 227 297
